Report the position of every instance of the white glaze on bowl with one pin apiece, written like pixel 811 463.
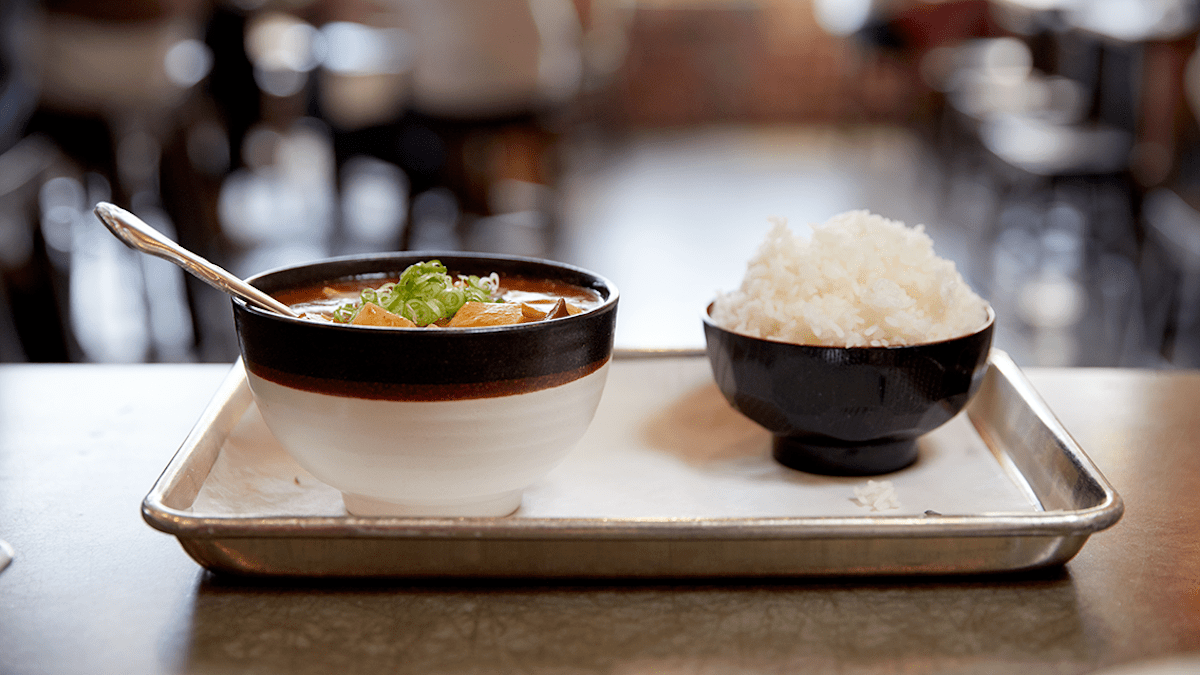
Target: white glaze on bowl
pixel 471 457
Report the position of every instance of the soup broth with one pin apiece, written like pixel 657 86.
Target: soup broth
pixel 319 301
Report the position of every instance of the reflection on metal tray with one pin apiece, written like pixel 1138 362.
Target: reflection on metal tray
pixel 669 481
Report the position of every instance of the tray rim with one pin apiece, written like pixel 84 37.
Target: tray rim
pixel 1057 523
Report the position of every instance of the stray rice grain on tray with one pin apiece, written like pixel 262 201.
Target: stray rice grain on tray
pixel 861 280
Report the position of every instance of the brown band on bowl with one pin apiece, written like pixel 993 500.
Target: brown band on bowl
pixel 390 391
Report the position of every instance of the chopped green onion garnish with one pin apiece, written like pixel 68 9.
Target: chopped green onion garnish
pixel 424 294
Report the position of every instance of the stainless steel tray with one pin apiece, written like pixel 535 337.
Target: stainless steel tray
pixel 669 481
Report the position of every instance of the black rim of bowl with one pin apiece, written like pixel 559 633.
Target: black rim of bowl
pixel 584 278
pixel 423 363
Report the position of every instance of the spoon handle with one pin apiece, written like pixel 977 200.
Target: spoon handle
pixel 136 234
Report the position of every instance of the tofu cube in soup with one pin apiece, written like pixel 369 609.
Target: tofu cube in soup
pixel 477 314
pixel 374 315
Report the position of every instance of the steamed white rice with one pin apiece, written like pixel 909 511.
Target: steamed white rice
pixel 860 280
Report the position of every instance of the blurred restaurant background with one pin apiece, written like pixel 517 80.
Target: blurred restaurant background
pixel 1050 148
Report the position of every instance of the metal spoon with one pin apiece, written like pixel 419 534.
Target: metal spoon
pixel 141 237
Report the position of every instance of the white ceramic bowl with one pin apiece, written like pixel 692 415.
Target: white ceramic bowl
pixel 454 458
pixel 426 421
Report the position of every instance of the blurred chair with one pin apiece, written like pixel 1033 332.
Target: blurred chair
pixel 899 37
pixel 1064 215
pixel 31 326
pixel 110 79
pixel 20 164
pixel 1139 50
pixel 1170 270
pixel 1069 186
pixel 461 96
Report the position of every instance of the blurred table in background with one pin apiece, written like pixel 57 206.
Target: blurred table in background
pixel 94 589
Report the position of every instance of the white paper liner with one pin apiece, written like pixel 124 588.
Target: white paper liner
pixel 664 444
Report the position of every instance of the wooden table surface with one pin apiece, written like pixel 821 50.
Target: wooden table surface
pixel 93 589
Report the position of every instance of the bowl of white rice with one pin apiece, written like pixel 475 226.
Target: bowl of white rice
pixel 850 344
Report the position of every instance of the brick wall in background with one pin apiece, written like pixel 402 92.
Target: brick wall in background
pixel 764 61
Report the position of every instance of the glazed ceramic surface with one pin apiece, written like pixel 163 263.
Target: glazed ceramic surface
pixel 852 411
pixel 427 421
pixel 465 457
